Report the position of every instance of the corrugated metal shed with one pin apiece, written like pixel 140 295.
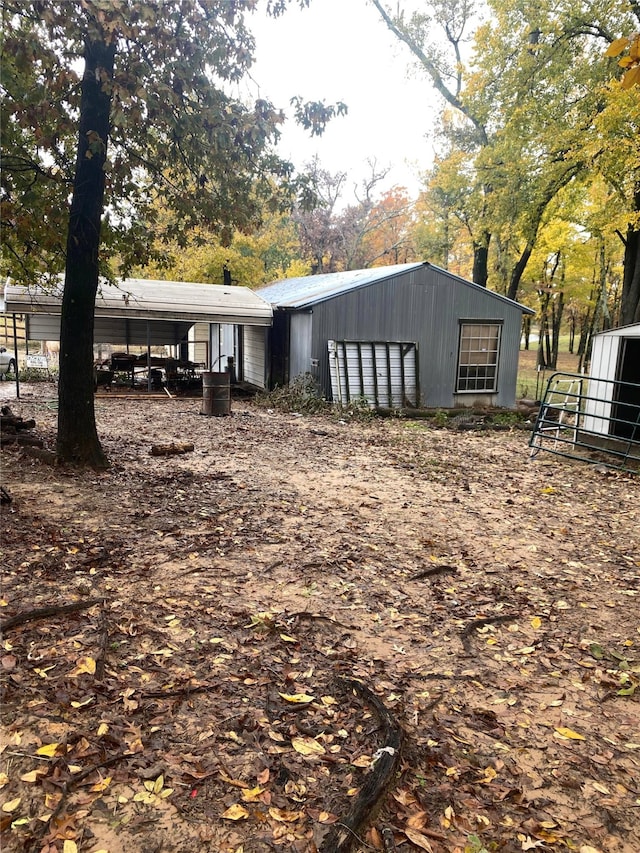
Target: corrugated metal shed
pixel 143 299
pixel 305 291
pixel 614 378
pixel 410 304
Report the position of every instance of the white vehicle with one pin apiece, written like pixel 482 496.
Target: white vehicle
pixel 7 362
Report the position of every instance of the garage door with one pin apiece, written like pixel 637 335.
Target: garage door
pixel 383 373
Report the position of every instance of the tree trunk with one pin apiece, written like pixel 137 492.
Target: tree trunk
pixel 78 442
pixel 572 331
pixel 518 271
pixel 481 260
pixel 543 330
pixel 585 325
pixel 630 303
pixel 557 309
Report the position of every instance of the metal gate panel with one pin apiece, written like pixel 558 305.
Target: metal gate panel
pixel 581 419
pixel 384 373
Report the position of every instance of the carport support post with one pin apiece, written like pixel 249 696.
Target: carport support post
pixel 148 357
pixel 15 351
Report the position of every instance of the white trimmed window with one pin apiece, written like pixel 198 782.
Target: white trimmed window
pixel 478 357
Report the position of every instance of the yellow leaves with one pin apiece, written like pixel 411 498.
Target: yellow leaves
pixel 33 775
pixel 288 639
pixel 69 847
pixel 82 703
pixel 616 47
pixel 297 698
pixel 50 749
pixel 536 622
pixel 237 783
pixel 631 62
pixel 154 791
pixel 284 815
pixel 307 746
pixel 252 795
pixel 525 650
pixel 448 817
pixel 568 734
pixel 235 812
pixel 327 817
pixel 631 78
pixel 102 785
pixel 12 805
pixel 489 775
pixel 83 665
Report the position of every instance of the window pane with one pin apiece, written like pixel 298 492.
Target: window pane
pixel 478 356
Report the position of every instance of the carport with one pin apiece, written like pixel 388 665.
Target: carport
pixel 145 313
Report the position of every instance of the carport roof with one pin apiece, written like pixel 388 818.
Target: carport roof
pixel 135 298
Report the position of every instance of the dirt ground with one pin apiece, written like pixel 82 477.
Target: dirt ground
pixel 232 638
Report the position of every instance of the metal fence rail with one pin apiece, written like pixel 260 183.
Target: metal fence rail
pixel 590 419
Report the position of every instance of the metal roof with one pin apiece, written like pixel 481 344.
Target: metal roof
pixel 630 331
pixel 306 291
pixel 152 300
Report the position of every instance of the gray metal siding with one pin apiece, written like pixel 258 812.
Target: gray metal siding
pixel 424 306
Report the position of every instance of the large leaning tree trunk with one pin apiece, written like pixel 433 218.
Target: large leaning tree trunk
pixel 78 442
pixel 630 306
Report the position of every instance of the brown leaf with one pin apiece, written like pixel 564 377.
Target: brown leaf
pixel 418 839
pixel 418 820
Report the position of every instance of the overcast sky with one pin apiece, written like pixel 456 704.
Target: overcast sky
pixel 340 50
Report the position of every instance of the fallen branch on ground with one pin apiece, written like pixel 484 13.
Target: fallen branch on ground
pixel 304 614
pixel 469 630
pixel 433 570
pixel 67 788
pixel 344 834
pixel 45 612
pixel 171 449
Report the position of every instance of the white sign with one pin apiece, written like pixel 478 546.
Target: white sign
pixel 39 361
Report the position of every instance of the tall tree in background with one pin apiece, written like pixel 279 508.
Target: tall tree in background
pixel 521 110
pixel 374 230
pixel 317 231
pixel 445 65
pixel 618 158
pixel 155 120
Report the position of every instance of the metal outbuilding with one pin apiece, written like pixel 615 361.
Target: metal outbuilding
pixel 403 335
pixel 146 313
pixel 613 405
